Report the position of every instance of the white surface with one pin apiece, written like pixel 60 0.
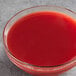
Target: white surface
pixel 7 9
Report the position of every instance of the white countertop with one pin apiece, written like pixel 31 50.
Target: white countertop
pixel 7 9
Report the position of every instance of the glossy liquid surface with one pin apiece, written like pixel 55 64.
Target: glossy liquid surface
pixel 43 39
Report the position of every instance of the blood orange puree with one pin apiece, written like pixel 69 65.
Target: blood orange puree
pixel 43 38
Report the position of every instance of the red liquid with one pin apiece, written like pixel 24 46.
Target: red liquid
pixel 43 39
